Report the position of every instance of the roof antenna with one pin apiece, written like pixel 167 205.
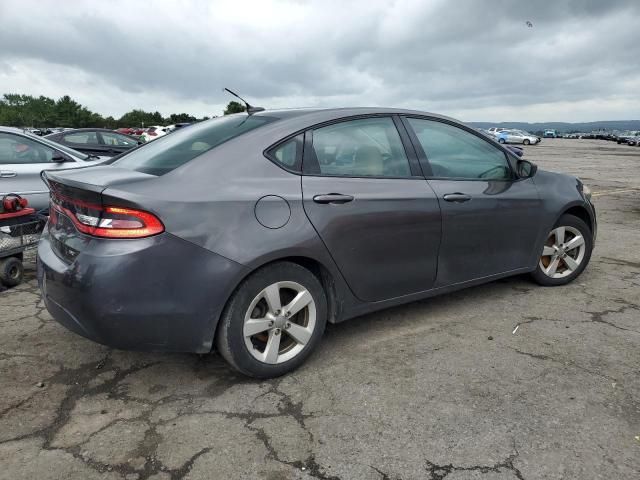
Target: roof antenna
pixel 250 109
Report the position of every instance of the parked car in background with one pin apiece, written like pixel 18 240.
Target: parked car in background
pixel 137 131
pixel 624 137
pixel 96 141
pixel 517 136
pixel 23 156
pixel 550 133
pixel 152 133
pixel 634 141
pixel 495 130
pixel 251 232
pixel 177 126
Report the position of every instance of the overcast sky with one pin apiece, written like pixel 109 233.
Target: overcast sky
pixel 468 59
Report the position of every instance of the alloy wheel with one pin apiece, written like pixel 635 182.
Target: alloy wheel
pixel 279 322
pixel 563 252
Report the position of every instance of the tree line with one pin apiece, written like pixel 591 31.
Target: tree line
pixel 28 111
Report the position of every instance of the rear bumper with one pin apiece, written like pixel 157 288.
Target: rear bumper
pixel 159 293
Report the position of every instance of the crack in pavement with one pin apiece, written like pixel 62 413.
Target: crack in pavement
pixel 621 262
pixel 439 472
pixel 294 410
pixel 77 379
pixel 559 362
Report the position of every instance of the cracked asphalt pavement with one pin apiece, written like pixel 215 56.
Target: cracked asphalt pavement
pixel 437 389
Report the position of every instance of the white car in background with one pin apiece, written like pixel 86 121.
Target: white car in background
pixel 517 136
pixel 495 131
pixel 154 132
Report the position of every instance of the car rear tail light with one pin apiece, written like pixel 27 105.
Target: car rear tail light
pixel 106 221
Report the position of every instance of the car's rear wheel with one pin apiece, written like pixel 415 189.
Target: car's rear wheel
pixel 566 252
pixel 273 321
pixel 501 140
pixel 526 141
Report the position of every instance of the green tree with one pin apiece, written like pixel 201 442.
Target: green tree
pixel 70 113
pixel 19 110
pixel 138 118
pixel 234 107
pixel 181 118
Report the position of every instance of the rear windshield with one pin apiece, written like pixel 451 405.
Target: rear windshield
pixel 183 145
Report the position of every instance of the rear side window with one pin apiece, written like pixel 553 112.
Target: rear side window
pixel 115 139
pixel 82 138
pixel 369 147
pixel 171 151
pixel 288 154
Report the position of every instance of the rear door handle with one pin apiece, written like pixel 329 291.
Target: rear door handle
pixel 7 174
pixel 332 198
pixel 457 197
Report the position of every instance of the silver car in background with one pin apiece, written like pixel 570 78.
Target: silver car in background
pixel 517 136
pixel 24 155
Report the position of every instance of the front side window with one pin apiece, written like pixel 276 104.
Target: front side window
pixel 15 149
pixel 455 153
pixel 369 147
pixel 171 151
pixel 117 140
pixel 82 138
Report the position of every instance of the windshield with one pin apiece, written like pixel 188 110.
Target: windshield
pixel 169 152
pixel 62 148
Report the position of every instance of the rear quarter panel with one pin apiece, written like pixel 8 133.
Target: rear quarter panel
pixel 211 202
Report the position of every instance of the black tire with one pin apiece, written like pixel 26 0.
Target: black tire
pixel 501 140
pixel 11 271
pixel 569 221
pixel 230 340
pixel 526 141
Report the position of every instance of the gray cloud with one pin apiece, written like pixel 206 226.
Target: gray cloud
pixel 471 59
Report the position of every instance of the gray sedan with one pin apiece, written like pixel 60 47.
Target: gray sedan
pixel 24 155
pixel 250 232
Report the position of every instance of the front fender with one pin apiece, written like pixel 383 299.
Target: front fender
pixel 560 194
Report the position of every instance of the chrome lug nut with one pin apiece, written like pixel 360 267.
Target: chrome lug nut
pixel 287 325
pixel 277 331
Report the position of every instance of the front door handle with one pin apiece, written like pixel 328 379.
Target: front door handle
pixel 457 197
pixel 7 174
pixel 337 198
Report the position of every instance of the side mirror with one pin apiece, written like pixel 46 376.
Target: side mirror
pixel 59 157
pixel 526 169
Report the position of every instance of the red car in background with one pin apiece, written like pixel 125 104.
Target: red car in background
pixel 131 130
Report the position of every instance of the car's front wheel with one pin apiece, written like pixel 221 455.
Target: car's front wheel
pixel 526 141
pixel 501 140
pixel 273 321
pixel 566 252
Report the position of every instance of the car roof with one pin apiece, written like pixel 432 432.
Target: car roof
pixel 335 113
pixel 87 129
